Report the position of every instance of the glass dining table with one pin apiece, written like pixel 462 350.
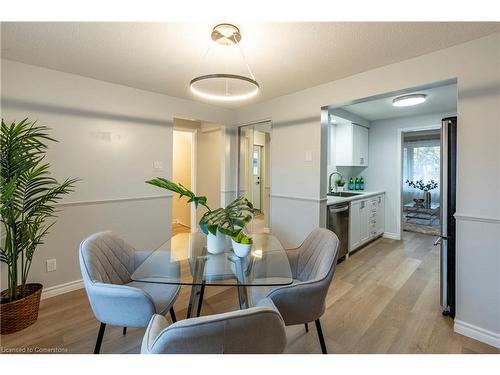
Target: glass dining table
pixel 184 260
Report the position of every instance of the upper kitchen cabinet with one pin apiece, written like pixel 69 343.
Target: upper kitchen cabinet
pixel 351 145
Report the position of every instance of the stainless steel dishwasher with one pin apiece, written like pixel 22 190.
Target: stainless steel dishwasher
pixel 337 220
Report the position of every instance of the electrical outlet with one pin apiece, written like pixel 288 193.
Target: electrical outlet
pixel 51 265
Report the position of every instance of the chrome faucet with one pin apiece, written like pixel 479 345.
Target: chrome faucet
pixel 330 187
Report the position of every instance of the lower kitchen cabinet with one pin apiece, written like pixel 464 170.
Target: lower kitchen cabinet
pixel 366 220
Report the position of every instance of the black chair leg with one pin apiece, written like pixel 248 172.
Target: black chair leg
pixel 172 315
pixel 200 302
pixel 124 331
pixel 100 335
pixel 320 336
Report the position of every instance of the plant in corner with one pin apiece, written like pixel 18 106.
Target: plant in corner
pixel 28 195
pixel 214 223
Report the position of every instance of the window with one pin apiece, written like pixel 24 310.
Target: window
pixel 421 161
pixel 255 162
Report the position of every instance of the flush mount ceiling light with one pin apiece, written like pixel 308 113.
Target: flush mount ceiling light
pixel 409 100
pixel 225 86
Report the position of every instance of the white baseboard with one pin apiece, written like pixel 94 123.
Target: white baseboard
pixel 477 333
pixel 392 236
pixel 61 289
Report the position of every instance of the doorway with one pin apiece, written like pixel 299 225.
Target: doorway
pixel 182 172
pixel 421 170
pixel 198 154
pixel 254 172
pixel 407 141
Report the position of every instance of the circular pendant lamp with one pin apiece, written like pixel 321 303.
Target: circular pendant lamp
pixel 226 87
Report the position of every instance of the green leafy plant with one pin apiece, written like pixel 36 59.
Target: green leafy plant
pixel 229 220
pixel 340 183
pixel 419 184
pixel 28 195
pixel 242 238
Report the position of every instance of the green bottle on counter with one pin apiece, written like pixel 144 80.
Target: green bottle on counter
pixel 361 184
pixel 351 184
pixel 356 184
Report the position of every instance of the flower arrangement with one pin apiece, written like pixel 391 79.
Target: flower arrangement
pixel 419 184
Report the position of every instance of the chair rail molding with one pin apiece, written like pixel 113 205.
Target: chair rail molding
pixel 482 219
pixel 297 198
pixel 112 200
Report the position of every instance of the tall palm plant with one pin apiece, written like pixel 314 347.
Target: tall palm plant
pixel 28 195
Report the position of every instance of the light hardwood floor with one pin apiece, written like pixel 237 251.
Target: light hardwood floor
pixel 383 299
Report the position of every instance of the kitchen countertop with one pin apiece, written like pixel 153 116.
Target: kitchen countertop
pixel 364 194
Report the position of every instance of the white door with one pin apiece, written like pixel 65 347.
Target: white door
pixel 256 173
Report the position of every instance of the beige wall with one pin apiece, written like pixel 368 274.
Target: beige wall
pixel 181 173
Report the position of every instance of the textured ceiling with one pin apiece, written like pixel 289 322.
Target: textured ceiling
pixel 285 57
pixel 439 99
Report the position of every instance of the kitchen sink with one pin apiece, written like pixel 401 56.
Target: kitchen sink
pixel 343 194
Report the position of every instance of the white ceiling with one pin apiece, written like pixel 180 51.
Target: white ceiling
pixel 439 99
pixel 285 57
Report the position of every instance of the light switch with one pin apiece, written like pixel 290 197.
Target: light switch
pixel 158 165
pixel 51 265
pixel 309 156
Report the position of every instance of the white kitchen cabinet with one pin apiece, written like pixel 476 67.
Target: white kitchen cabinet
pixel 366 220
pixel 381 215
pixel 364 233
pixel 351 145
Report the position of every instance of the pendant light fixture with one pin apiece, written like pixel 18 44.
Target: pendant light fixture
pixel 227 87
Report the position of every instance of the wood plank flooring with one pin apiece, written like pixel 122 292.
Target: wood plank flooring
pixel 383 299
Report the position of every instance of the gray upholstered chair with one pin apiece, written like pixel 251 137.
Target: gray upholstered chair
pixel 106 263
pixel 313 264
pixel 257 330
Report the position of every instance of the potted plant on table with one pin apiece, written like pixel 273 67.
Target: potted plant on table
pixel 28 195
pixel 426 188
pixel 241 244
pixel 217 223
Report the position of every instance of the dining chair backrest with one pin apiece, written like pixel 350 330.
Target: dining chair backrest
pixel 317 255
pixel 106 258
pixel 257 330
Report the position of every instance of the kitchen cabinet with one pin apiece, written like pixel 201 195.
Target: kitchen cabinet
pixel 366 220
pixel 354 225
pixel 351 145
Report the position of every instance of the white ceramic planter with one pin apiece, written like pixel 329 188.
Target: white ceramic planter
pixel 216 244
pixel 241 250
